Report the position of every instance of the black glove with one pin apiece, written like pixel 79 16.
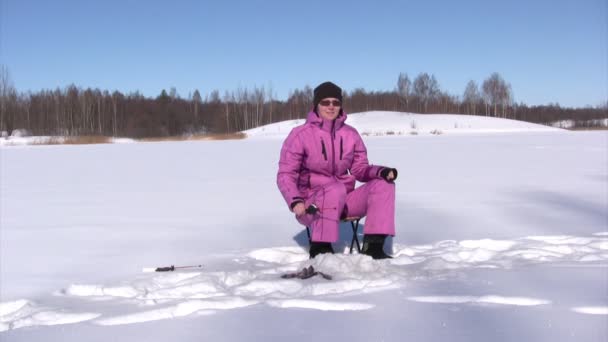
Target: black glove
pixel 384 174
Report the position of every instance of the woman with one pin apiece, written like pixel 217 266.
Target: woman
pixel 320 161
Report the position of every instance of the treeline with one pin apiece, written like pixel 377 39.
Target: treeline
pixel 74 111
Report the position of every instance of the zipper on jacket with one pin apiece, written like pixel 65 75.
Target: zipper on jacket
pixel 341 150
pixel 323 149
pixel 333 148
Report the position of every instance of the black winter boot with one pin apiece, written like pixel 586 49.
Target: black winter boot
pixel 320 248
pixel 373 245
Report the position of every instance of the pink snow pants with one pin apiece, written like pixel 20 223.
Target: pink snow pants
pixel 374 199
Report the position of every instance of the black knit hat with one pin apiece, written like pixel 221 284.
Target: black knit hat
pixel 325 90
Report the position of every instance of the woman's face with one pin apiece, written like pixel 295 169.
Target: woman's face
pixel 329 108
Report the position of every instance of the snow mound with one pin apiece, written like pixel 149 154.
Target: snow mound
pixel 279 255
pixel 381 123
pixel 23 313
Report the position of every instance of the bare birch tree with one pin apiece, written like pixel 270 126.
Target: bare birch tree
pixel 196 102
pixel 6 87
pixel 471 97
pixel 403 89
pixel 426 88
pixel 497 92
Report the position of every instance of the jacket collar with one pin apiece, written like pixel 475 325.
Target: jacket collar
pixel 324 124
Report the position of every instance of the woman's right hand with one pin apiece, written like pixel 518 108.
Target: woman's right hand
pixel 299 209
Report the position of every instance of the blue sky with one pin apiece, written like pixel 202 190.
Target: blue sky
pixel 548 50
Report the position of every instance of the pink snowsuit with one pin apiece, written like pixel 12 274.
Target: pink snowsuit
pixel 320 161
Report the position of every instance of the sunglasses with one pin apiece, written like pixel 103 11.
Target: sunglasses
pixel 327 103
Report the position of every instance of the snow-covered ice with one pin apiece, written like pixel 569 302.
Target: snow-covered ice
pixel 500 236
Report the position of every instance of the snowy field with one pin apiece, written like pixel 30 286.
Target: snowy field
pixel 502 235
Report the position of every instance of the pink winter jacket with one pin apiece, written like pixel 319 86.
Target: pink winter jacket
pixel 321 151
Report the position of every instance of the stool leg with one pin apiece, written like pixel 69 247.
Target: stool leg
pixel 355 226
pixel 308 233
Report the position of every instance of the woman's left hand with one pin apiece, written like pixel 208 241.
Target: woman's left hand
pixel 389 174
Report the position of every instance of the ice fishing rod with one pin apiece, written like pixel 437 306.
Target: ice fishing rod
pixel 170 268
pixel 313 210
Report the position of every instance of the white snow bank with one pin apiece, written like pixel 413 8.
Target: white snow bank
pixel 181 309
pixel 48 140
pixel 490 299
pixel 490 253
pixel 23 313
pixel 9 308
pixel 378 123
pixel 591 310
pixel 319 305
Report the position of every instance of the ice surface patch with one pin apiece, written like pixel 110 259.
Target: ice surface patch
pixel 592 310
pixel 490 299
